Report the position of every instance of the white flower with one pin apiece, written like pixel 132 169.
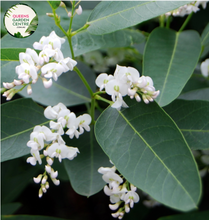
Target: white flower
pixel 42 42
pixel 52 70
pixel 55 40
pixel 205 68
pixel 33 55
pixel 68 64
pixel 112 176
pixel 57 126
pixel 25 71
pixel 45 54
pixel 131 197
pixel 52 112
pixel 83 122
pixel 102 80
pixel 201 2
pixel 47 83
pixel 61 151
pixel 35 157
pixel 26 58
pixel 104 170
pixel 79 10
pixel 72 124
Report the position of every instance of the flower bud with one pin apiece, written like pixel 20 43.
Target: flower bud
pixel 29 90
pixel 137 97
pixel 40 193
pixel 37 179
pixel 48 168
pixel 44 179
pixel 50 14
pixel 79 10
pixel 49 160
pixel 62 4
pixel 47 185
pixel 114 206
pixel 56 182
pixel 18 82
pixel 8 85
pixel 69 14
pixel 47 83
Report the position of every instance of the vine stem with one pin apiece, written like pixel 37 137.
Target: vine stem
pixel 84 81
pixel 186 22
pixel 103 99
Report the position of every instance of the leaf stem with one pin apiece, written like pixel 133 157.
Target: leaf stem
pixel 92 110
pixel 161 20
pixel 168 22
pixel 186 22
pixel 103 99
pixel 84 80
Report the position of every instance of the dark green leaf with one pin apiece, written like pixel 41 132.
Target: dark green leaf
pixel 199 94
pixel 18 119
pixel 192 118
pixel 83 170
pixel 10 208
pixel 54 4
pixel 110 16
pixel 68 89
pixel 170 59
pixel 30 217
pixel 189 216
pixel 148 149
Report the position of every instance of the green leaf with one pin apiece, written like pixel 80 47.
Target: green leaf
pixel 18 119
pixel 192 118
pixel 83 170
pixel 189 216
pixel 30 217
pixel 54 4
pixel 10 208
pixel 15 175
pixel 170 59
pixel 110 16
pixel 205 37
pixel 68 89
pixel 11 54
pixel 148 149
pixel 33 24
pixel 198 94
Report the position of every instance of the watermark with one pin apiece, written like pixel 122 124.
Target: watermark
pixel 20 20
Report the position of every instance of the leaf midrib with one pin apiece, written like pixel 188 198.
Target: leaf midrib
pixel 169 67
pixel 127 121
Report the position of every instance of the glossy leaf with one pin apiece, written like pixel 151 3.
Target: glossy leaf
pixel 68 89
pixel 192 117
pixel 29 217
pixel 54 4
pixel 205 39
pixel 198 94
pixel 18 119
pixel 10 208
pixel 149 151
pixel 170 59
pixel 188 216
pixel 11 54
pixel 83 170
pixel 16 175
pixel 110 16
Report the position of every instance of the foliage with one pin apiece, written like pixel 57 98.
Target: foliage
pixel 156 139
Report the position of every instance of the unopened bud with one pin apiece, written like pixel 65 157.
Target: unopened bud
pixel 79 10
pixel 49 160
pixel 44 179
pixel 114 206
pixel 50 14
pixel 47 83
pixel 29 90
pixel 18 82
pixel 137 97
pixel 56 182
pixel 62 4
pixel 47 185
pixel 40 193
pixel 54 174
pixel 37 179
pixel 8 85
pixel 48 168
pixel 34 81
pixel 69 14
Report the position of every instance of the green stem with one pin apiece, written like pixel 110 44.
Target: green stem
pixel 161 20
pixel 168 22
pixel 92 110
pixel 186 22
pixel 84 80
pixel 103 99
pixel 80 29
pixel 72 14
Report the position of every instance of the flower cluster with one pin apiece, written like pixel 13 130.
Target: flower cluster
pixel 50 61
pixel 122 195
pixel 127 81
pixel 187 9
pixel 204 67
pixel 51 142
